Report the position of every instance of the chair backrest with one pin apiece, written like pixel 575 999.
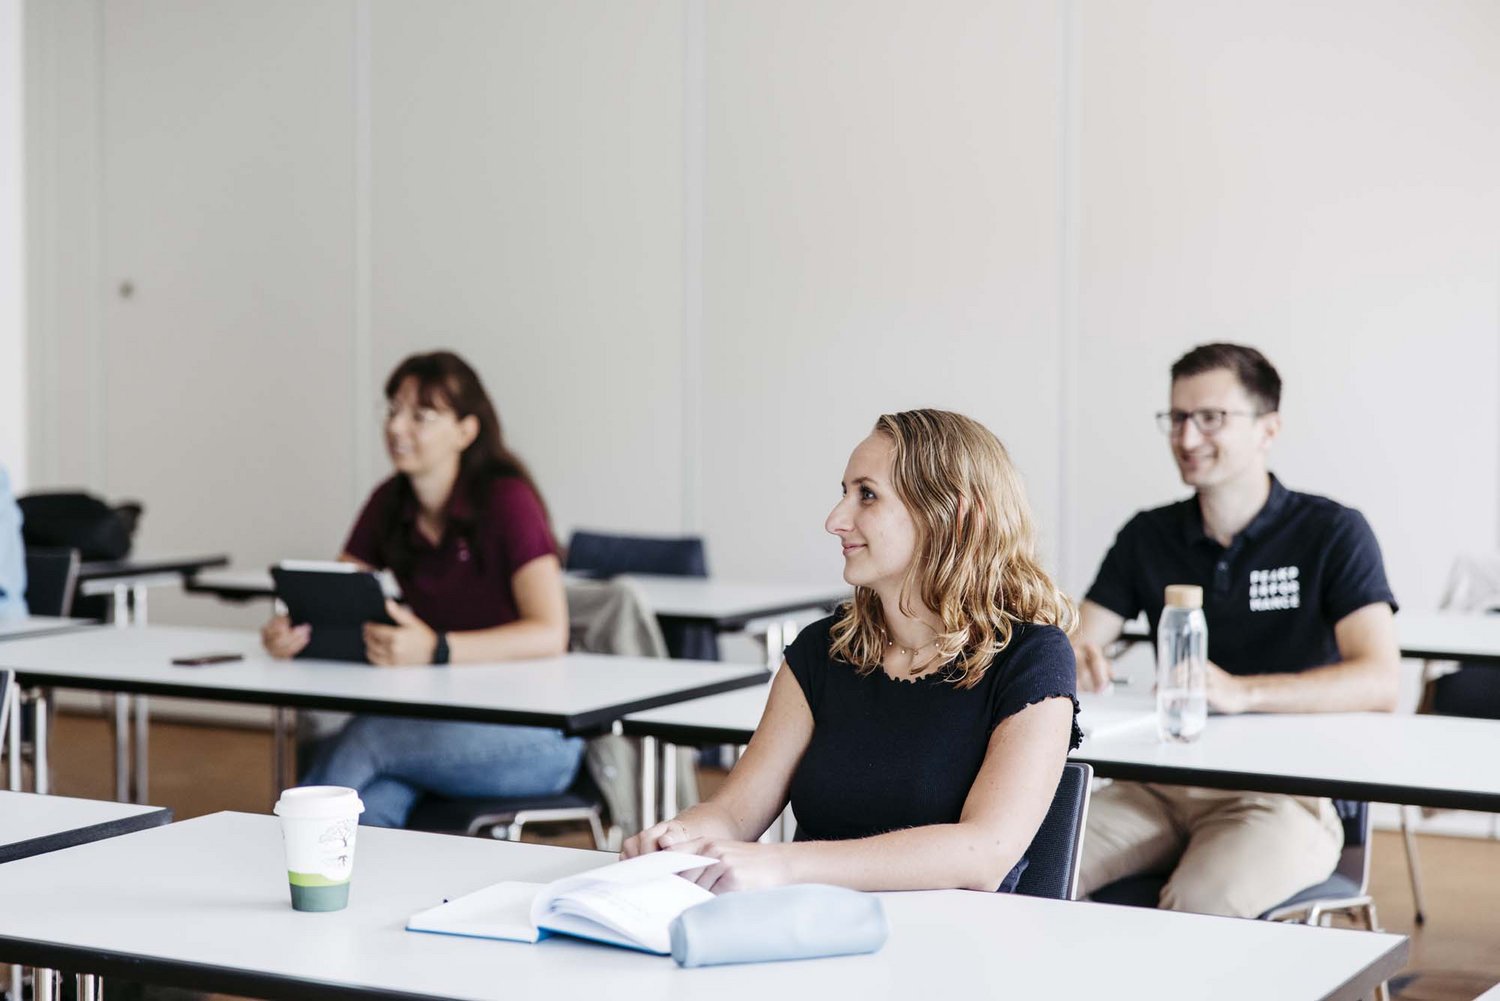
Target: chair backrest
pixel 7 685
pixel 609 555
pixel 1052 860
pixel 51 580
pixel 1354 860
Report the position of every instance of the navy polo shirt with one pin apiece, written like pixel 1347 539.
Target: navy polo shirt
pixel 1272 597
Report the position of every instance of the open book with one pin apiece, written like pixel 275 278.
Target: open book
pixel 629 904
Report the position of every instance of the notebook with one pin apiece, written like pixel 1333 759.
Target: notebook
pixel 630 904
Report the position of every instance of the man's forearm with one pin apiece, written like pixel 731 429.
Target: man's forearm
pixel 1361 685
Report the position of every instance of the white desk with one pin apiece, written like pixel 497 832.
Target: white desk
pixel 1434 761
pixel 32 825
pixel 1463 636
pixel 731 718
pixel 127 582
pixel 578 693
pixel 726 606
pixel 1422 635
pixel 39 625
pixel 203 904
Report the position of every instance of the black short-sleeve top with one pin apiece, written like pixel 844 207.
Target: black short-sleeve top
pixel 1272 598
pixel 888 754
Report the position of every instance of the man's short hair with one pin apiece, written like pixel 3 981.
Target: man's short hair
pixel 1255 374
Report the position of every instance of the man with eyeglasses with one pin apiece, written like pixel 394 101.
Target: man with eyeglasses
pixel 1300 619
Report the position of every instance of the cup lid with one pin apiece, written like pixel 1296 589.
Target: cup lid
pixel 319 801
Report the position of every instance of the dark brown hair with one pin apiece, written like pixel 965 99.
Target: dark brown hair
pixel 443 379
pixel 1256 374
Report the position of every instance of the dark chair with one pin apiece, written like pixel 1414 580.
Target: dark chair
pixel 611 555
pixel 1052 860
pixel 1347 889
pixel 51 580
pixel 506 818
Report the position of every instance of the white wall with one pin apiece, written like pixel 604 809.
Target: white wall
pixel 12 248
pixel 696 247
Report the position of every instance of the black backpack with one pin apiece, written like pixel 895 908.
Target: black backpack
pixel 99 531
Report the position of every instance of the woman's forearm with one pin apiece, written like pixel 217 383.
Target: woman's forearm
pixel 940 856
pixel 519 640
pixel 713 821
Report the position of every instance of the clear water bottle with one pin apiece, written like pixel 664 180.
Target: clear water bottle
pixel 1182 665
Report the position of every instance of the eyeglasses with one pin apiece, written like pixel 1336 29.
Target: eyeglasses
pixel 420 417
pixel 1208 420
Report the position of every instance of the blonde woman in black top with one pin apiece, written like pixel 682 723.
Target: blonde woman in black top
pixel 919 733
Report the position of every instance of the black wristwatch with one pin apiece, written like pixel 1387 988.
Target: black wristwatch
pixel 440 652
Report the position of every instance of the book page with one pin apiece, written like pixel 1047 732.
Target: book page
pixel 500 911
pixel 639 912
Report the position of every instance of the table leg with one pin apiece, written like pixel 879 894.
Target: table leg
pixel 142 747
pixel 280 729
pixel 44 985
pixel 668 780
pixel 138 594
pixel 40 776
pixel 648 782
pixel 13 742
pixel 122 748
pixel 17 974
pixel 89 987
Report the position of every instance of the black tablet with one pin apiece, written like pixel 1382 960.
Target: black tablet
pixel 336 599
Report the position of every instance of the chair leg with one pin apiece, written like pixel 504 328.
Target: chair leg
pixel 597 827
pixel 1413 865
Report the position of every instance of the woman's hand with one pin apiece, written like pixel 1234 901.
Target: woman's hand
pixel 283 640
pixel 657 838
pixel 741 865
pixel 409 641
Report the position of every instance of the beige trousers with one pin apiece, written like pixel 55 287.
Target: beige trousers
pixel 1231 853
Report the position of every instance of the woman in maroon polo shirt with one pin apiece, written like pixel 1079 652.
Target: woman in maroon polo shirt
pixel 463 528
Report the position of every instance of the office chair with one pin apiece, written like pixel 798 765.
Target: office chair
pixel 601 615
pixel 51 580
pixel 606 555
pixel 1052 859
pixel 1347 889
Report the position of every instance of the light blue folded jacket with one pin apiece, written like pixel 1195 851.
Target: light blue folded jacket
pixel 788 922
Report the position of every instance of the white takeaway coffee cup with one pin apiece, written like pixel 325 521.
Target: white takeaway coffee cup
pixel 318 826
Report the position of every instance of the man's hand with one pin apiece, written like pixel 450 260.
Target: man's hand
pixel 1227 693
pixel 1094 669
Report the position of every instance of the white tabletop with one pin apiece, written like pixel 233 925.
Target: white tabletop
pixel 39 625
pixel 732 717
pixel 1425 635
pixel 149 565
pixel 729 718
pixel 722 603
pixel 1434 761
pixel 205 902
pixel 576 692
pixel 32 824
pixel 1449 636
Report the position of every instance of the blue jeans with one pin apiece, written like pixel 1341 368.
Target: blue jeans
pixel 392 762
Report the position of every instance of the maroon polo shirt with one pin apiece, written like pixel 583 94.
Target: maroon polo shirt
pixel 457 585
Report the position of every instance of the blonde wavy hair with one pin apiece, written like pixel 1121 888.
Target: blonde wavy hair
pixel 975 562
